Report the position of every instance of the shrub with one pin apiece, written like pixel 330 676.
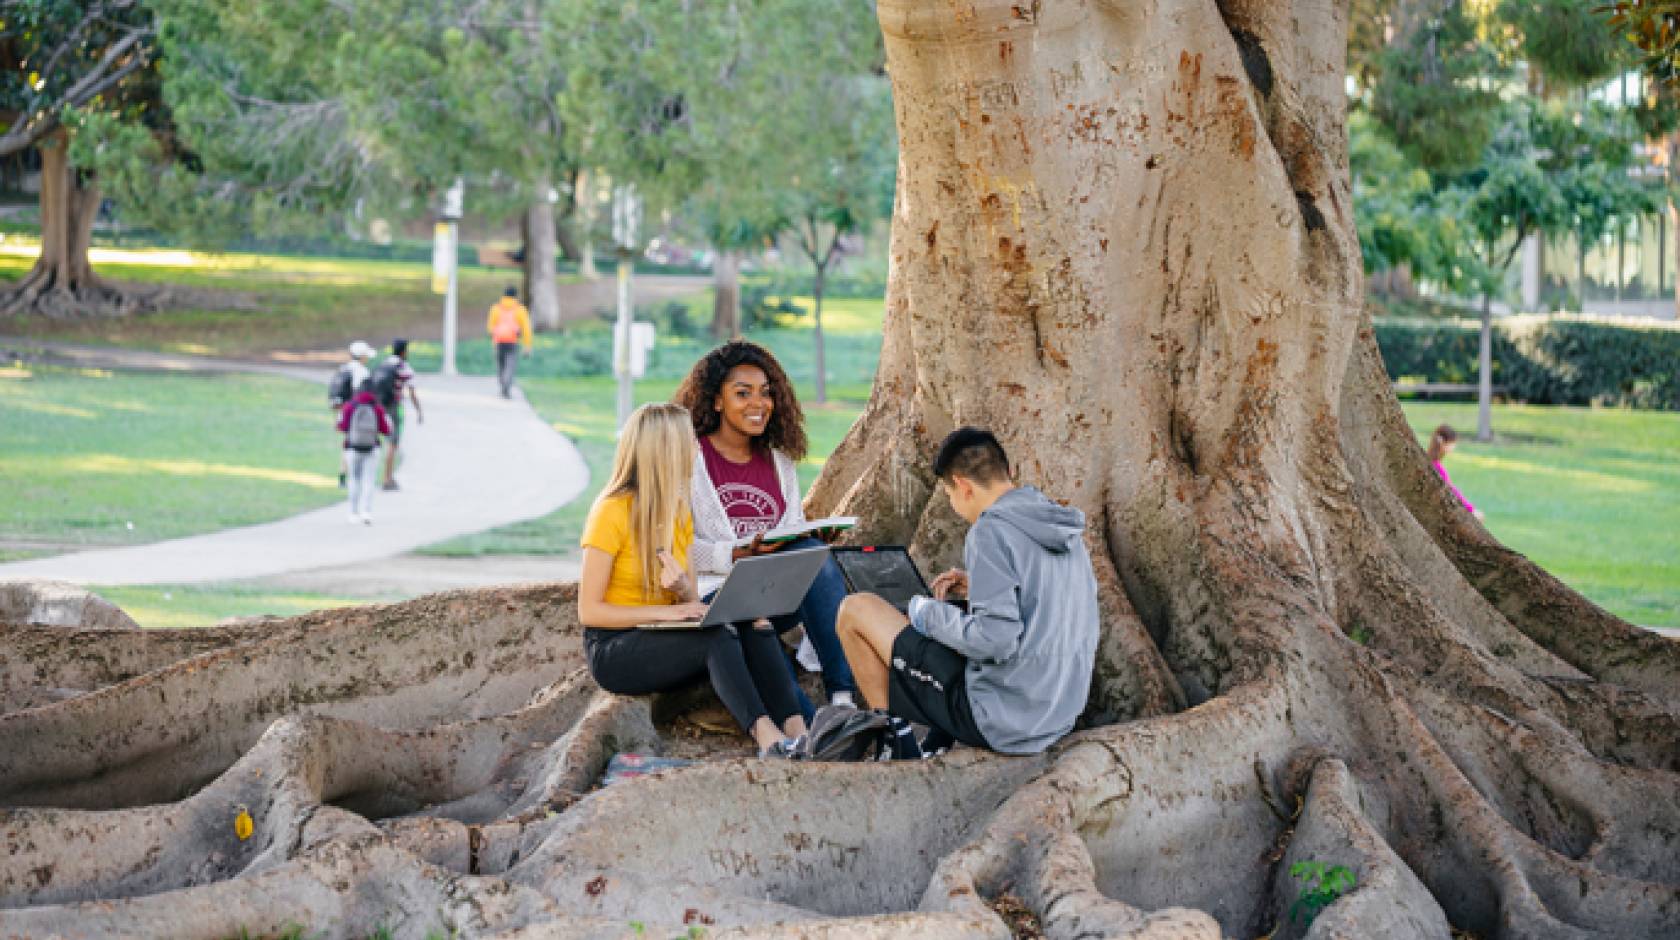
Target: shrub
pixel 1548 360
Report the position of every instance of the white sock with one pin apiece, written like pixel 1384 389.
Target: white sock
pixel 842 698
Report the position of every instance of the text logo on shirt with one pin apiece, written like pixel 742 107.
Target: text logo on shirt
pixel 750 509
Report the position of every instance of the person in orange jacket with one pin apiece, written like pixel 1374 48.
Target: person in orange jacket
pixel 508 325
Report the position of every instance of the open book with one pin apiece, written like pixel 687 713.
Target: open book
pixel 788 533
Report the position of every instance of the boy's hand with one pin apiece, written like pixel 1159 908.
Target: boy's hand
pixel 954 580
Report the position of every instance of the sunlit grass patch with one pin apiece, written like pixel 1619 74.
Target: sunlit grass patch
pixel 1574 477
pixel 267 302
pixel 196 605
pixel 845 315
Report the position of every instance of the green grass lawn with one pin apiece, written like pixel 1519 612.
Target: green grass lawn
pixel 255 304
pixel 1589 494
pixel 91 457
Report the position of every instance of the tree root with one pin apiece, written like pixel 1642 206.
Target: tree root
pixel 40 664
pixel 439 658
pixel 1387 901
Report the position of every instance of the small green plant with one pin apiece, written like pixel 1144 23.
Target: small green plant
pixel 1324 884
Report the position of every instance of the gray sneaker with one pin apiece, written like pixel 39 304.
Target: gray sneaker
pixel 785 749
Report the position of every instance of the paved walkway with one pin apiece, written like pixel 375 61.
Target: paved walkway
pixel 478 462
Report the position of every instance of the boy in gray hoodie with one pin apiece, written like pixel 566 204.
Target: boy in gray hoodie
pixel 1012 672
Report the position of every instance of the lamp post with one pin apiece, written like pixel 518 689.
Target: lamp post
pixel 626 220
pixel 451 216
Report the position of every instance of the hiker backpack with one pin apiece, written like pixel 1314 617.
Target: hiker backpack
pixel 385 384
pixel 339 389
pixel 364 428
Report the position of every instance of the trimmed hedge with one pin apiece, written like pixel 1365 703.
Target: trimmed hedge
pixel 1544 360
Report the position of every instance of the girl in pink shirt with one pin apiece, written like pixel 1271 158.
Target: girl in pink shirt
pixel 1441 444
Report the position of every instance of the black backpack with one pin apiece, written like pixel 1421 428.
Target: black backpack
pixel 339 389
pixel 385 384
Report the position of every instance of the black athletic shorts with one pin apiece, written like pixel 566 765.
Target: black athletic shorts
pixel 928 685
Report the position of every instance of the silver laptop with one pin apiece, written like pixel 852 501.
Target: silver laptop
pixel 761 586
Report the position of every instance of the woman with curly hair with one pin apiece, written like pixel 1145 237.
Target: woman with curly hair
pixel 751 433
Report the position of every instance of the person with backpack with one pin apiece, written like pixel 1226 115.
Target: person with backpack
pixel 363 422
pixel 509 324
pixel 394 377
pixel 342 387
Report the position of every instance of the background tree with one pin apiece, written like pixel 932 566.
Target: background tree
pixel 62 57
pixel 288 114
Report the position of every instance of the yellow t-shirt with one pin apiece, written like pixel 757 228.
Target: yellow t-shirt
pixel 608 529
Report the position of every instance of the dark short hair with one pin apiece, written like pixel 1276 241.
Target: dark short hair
pixel 399 346
pixel 698 392
pixel 971 453
pixel 511 292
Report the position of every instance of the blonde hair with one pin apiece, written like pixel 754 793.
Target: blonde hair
pixel 653 464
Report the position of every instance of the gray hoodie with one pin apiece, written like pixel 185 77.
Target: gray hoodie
pixel 1030 635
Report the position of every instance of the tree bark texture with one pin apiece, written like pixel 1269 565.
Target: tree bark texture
pixel 542 293
pixel 726 294
pixel 1122 239
pixel 62 284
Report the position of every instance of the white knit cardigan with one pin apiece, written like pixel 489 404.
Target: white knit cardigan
pixel 714 537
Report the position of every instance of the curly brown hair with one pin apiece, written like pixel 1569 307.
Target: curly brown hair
pixel 698 393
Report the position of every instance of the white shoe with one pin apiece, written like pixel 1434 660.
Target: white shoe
pixel 367 519
pixel 355 518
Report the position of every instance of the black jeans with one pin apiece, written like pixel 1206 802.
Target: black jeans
pixel 507 360
pixel 745 665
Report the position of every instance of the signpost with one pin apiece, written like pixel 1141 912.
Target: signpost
pixel 445 262
pixel 626 220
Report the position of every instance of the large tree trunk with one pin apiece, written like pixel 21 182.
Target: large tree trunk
pixel 542 292
pixel 1123 240
pixel 726 294
pixel 62 283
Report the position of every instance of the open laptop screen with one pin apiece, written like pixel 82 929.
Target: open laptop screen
pixel 886 570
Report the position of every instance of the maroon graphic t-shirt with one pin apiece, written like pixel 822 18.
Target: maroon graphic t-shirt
pixel 750 492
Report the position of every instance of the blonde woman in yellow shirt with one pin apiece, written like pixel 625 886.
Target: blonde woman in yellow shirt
pixel 636 571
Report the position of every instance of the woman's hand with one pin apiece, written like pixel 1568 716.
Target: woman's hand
pixel 756 547
pixel 671 574
pixel 674 577
pixel 954 580
pixel 693 610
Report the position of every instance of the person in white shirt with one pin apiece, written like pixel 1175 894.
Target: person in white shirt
pixel 751 433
